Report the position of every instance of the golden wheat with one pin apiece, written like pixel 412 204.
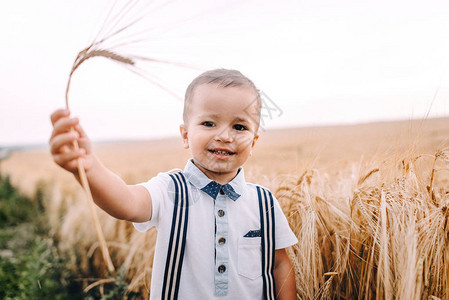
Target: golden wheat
pixel 396 234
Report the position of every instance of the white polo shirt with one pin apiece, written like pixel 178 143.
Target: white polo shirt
pixel 222 258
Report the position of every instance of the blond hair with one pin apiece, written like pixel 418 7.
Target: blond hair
pixel 223 78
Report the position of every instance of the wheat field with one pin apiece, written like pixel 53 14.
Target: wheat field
pixel 368 203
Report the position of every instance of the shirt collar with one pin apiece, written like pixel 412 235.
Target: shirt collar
pixel 200 180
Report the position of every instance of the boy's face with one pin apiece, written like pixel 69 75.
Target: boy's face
pixel 221 129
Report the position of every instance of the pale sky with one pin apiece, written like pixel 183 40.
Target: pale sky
pixel 320 62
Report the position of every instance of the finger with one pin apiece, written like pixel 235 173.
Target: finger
pixel 80 130
pixel 64 125
pixel 60 113
pixel 58 142
pixel 84 143
pixel 83 140
pixel 69 159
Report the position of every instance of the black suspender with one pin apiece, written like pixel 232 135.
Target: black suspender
pixel 177 243
pixel 176 246
pixel 266 210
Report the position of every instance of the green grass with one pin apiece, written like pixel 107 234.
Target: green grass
pixel 14 208
pixel 31 266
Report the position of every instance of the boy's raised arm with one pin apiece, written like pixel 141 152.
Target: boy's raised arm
pixel 110 192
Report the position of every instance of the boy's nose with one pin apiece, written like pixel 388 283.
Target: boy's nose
pixel 224 136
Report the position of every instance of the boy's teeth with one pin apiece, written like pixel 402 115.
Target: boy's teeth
pixel 220 152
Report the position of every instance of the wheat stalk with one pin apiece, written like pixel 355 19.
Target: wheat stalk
pixel 115 25
pixel 84 55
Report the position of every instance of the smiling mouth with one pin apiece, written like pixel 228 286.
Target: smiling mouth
pixel 221 152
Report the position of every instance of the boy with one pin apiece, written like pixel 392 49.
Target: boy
pixel 218 248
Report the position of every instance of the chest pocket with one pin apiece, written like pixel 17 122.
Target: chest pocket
pixel 250 257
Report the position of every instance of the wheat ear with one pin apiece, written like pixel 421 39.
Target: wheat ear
pixel 82 57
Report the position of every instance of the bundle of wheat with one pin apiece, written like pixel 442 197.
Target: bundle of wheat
pixel 386 240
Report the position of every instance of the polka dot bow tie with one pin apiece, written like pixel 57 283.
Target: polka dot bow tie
pixel 213 188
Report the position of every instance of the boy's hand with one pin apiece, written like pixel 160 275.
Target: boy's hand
pixel 109 191
pixel 61 142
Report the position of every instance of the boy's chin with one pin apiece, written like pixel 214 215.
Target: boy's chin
pixel 220 169
pixel 217 168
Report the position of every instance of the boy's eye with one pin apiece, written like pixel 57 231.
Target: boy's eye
pixel 208 124
pixel 239 127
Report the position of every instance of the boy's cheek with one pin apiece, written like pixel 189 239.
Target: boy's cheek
pixel 246 141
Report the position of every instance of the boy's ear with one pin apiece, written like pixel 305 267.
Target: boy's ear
pixel 256 137
pixel 184 135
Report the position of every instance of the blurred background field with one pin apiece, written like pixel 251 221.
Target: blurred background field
pixel 368 203
pixel 278 152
